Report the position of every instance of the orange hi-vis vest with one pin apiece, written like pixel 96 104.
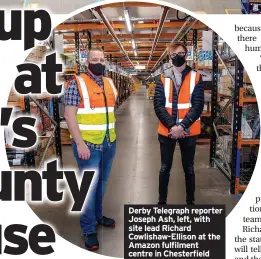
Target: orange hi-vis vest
pixel 96 111
pixel 184 101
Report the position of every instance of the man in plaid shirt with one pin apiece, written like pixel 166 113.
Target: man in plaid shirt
pixel 72 98
pixel 90 156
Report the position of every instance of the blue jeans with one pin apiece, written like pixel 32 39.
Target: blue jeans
pixel 101 162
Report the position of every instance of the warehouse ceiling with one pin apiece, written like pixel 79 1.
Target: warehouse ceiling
pixel 145 20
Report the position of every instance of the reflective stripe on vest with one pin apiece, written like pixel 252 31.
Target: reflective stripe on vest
pixel 183 102
pixel 97 127
pixel 180 120
pixel 167 93
pixel 192 81
pixel 92 121
pixel 113 88
pixel 192 84
pixel 86 100
pixel 191 88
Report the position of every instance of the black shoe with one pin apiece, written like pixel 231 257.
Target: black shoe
pixel 190 203
pixel 91 242
pixel 107 222
pixel 162 203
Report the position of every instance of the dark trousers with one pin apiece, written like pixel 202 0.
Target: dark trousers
pixel 167 148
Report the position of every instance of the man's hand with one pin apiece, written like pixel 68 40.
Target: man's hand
pixel 83 151
pixel 177 132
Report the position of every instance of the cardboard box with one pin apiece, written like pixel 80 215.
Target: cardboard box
pixel 65 134
pixel 201 63
pixel 226 85
pixel 226 79
pixel 224 89
pixel 225 92
pixel 224 72
pixel 37 54
pixel 13 96
pixel 246 78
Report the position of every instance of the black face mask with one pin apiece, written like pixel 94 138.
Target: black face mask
pixel 178 60
pixel 97 69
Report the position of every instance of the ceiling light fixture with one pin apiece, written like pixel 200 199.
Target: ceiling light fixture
pixel 127 19
pixel 140 67
pixel 133 44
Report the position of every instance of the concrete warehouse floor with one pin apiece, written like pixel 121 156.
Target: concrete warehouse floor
pixel 134 178
pixel 66 7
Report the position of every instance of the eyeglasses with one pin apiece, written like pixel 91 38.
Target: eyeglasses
pixel 181 54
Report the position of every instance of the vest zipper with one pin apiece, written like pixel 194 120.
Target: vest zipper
pixel 177 91
pixel 107 115
pixel 178 96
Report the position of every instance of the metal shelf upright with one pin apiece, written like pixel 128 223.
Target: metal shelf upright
pixel 204 138
pixel 56 116
pixel 29 156
pixel 77 40
pixel 195 46
pixel 214 96
pixel 235 166
pixel 227 149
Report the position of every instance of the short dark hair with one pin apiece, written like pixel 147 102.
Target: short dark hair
pixel 175 45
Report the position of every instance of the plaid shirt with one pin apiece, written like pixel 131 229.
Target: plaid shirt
pixel 72 98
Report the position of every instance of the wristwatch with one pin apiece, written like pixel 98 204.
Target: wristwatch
pixel 183 126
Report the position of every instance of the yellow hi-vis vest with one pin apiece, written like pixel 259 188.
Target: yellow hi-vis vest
pixel 96 111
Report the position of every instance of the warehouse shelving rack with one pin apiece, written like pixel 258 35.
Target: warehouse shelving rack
pixel 124 90
pixel 227 132
pixel 121 82
pixel 78 45
pixel 203 139
pixel 24 105
pixel 248 6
